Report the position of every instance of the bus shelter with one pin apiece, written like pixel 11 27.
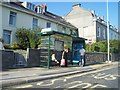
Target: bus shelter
pixel 54 42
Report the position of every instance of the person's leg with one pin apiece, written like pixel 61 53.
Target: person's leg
pixel 82 60
pixel 65 63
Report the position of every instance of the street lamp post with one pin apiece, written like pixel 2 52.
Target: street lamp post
pixel 108 34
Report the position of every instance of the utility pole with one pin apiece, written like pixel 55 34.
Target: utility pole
pixel 108 33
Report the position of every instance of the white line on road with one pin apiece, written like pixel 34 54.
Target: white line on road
pixel 99 85
pixel 25 86
pixel 51 82
pixel 78 75
pixel 87 85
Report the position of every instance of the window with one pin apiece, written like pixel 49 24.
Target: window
pixel 111 35
pixel 64 30
pixel 30 6
pixel 12 19
pixel 74 33
pixel 35 23
pixel 48 25
pixel 98 32
pixel 115 37
pixel 7 36
pixel 103 33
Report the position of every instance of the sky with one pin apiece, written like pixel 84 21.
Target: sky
pixel 63 8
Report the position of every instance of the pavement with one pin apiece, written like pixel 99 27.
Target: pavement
pixel 28 75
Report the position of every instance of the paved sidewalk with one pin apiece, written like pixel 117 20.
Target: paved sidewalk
pixel 27 75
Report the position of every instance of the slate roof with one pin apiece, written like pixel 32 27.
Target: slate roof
pixel 58 18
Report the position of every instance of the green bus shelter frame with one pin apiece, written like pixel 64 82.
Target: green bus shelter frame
pixel 49 33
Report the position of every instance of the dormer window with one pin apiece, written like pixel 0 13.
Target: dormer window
pixel 29 5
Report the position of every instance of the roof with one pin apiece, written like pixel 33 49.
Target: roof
pixel 75 38
pixel 58 18
pixel 46 14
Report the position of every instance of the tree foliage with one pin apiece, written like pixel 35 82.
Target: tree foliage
pixel 28 38
pixel 102 46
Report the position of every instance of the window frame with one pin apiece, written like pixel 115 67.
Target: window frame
pixel 48 25
pixel 98 32
pixel 12 18
pixel 8 35
pixel 34 23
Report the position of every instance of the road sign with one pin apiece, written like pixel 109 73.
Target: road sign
pixel 89 41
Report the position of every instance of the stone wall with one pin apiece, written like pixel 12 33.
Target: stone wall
pixel 92 58
pixel 10 59
pixel 33 57
pixel 115 57
pixel 7 60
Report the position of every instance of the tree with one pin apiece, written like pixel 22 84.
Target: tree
pixel 102 46
pixel 22 35
pixel 28 38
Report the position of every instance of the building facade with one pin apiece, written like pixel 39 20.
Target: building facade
pixel 14 15
pixel 89 25
pixel 114 33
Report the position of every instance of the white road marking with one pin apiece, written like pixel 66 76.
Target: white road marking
pixel 98 85
pixel 78 75
pixel 87 85
pixel 25 86
pixel 73 83
pixel 111 78
pixel 52 82
pixel 103 76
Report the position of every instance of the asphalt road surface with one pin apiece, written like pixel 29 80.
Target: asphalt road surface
pixel 102 78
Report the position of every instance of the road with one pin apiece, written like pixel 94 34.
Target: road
pixel 102 78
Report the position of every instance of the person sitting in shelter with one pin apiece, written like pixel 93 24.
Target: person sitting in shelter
pixel 54 59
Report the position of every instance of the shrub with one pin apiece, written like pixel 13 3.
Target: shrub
pixel 6 46
pixel 102 46
pixel 15 46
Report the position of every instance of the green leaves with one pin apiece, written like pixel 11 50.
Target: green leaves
pixel 28 38
pixel 102 46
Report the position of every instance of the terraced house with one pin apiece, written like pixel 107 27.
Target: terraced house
pixel 25 14
pixel 89 25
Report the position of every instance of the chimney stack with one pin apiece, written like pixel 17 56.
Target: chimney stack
pixel 41 8
pixel 76 5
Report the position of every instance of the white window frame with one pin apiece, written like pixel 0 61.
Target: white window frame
pixel 8 34
pixel 13 17
pixel 34 23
